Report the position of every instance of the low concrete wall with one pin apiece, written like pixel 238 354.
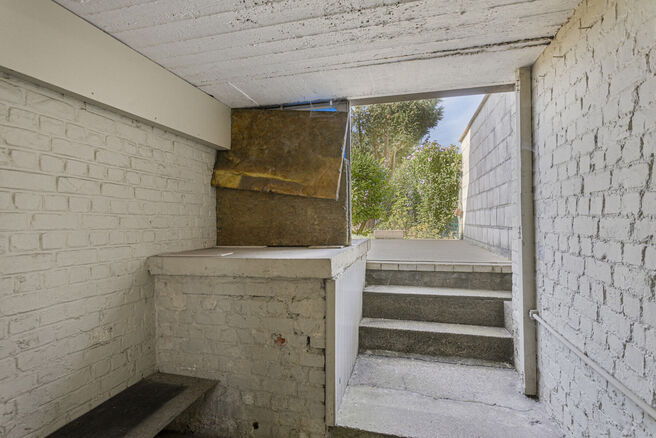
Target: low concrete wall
pixel 264 336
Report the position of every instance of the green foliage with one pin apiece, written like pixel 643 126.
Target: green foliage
pixel 425 191
pixel 397 180
pixel 390 131
pixel 370 192
pixel 403 213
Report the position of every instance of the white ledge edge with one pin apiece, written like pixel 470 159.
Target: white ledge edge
pixel 259 262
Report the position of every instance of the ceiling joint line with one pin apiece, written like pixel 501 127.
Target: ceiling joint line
pixel 244 93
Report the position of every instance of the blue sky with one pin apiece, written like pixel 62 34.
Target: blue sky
pixel 457 113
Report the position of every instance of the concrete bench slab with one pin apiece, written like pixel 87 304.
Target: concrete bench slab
pixel 142 410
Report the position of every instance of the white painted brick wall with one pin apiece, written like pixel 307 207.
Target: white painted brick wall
pixel 594 91
pixel 487 175
pixel 263 339
pixel 85 196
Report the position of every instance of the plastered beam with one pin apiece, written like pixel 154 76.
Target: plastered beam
pixel 527 349
pixel 503 88
pixel 42 41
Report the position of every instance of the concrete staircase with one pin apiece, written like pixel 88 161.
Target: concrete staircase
pixel 432 337
pixel 435 350
pixel 446 311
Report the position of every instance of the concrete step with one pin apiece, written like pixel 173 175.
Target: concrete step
pixel 448 305
pixel 463 276
pixel 436 339
pixel 399 397
pixel 350 432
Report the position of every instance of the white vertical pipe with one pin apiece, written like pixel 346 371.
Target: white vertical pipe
pixel 527 348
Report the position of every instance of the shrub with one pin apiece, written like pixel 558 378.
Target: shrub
pixel 370 192
pixel 425 191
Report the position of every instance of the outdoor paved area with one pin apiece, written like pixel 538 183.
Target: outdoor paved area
pixel 440 251
pixel 427 399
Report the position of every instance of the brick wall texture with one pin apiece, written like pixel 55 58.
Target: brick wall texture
pixel 594 91
pixel 487 175
pixel 263 339
pixel 85 196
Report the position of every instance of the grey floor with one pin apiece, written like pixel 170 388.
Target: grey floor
pixel 425 399
pixel 441 251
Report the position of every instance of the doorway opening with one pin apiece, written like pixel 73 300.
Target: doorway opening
pixel 411 165
pixel 405 183
pixel 432 185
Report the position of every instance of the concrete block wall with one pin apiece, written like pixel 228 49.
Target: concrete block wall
pixel 85 196
pixel 263 339
pixel 594 91
pixel 486 194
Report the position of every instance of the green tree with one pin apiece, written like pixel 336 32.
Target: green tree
pixel 390 131
pixel 370 192
pixel 425 191
pixel 405 199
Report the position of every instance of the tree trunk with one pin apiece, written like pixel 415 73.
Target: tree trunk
pixel 387 146
pixel 393 163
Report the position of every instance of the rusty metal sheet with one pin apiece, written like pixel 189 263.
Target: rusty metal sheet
pixel 287 152
pixel 254 218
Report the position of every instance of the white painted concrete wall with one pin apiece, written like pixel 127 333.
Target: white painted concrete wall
pixel 85 196
pixel 345 308
pixel 486 194
pixel 594 92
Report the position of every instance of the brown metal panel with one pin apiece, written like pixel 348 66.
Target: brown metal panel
pixel 288 152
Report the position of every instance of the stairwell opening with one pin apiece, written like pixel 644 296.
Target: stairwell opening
pixel 436 339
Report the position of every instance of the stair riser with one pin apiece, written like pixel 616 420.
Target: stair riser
pixel 455 310
pixel 346 432
pixel 436 344
pixel 461 280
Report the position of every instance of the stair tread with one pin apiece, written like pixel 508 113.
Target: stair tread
pixel 412 398
pixel 455 360
pixel 436 327
pixel 438 291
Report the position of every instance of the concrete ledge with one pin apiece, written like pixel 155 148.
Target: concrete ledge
pixel 388 234
pixel 265 262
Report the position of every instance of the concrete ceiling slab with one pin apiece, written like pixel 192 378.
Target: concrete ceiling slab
pixel 264 52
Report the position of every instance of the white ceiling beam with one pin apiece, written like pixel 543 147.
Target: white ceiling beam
pixel 43 41
pixel 503 88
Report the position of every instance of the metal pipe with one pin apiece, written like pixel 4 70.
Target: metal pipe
pixel 525 256
pixel 338 104
pixel 534 314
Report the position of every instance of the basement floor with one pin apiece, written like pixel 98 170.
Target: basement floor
pixel 428 399
pixel 439 251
